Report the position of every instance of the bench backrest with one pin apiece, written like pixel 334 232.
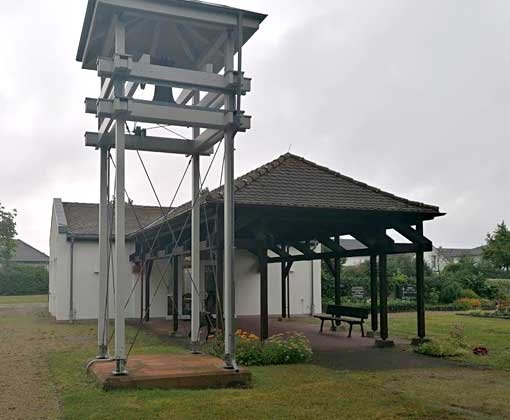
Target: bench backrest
pixel 338 310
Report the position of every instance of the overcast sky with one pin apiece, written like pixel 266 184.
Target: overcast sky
pixel 410 96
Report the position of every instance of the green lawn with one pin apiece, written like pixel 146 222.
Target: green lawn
pixel 491 333
pixel 23 299
pixel 278 392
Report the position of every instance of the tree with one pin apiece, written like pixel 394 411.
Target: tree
pixel 468 275
pixel 7 234
pixel 497 248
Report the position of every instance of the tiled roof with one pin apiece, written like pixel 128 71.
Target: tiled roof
pixel 292 181
pixel 83 218
pixel 25 253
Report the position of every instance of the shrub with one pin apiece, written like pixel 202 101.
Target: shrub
pixel 468 303
pixel 450 346
pixel 450 292
pixel 395 305
pixel 468 293
pixel 18 279
pixel 440 348
pixel 278 349
pixel 502 286
pixel 487 304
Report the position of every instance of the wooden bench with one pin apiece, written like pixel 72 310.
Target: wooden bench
pixel 348 314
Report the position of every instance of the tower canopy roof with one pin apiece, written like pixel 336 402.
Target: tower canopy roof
pixel 190 33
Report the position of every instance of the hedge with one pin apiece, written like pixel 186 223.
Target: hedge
pixel 19 279
pixel 410 306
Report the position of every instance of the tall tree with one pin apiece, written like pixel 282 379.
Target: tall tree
pixel 7 234
pixel 497 249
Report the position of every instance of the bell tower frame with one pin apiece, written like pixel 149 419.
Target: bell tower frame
pixel 181 44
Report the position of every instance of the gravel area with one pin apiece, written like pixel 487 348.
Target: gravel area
pixel 25 388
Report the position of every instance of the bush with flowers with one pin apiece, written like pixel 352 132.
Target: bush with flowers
pixel 291 347
pixel 467 303
pixel 453 344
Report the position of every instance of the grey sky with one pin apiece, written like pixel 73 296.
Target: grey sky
pixel 410 96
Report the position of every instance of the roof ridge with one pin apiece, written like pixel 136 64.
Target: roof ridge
pixel 250 177
pixel 97 204
pixel 362 184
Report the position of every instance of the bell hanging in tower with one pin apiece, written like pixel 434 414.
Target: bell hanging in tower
pixel 163 93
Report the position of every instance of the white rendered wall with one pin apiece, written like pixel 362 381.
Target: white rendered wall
pixel 85 280
pixel 58 273
pixel 247 289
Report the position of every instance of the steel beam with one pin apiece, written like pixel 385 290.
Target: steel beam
pixel 151 144
pixel 169 114
pixel 143 72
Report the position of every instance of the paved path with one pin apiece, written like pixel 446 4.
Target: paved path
pixel 331 349
pixel 25 392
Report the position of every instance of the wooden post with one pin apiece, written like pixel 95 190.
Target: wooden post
pixel 219 279
pixel 219 269
pixel 420 287
pixel 142 286
pixel 175 314
pixel 264 315
pixel 383 296
pixel 373 292
pixel 148 290
pixel 337 267
pixel 284 289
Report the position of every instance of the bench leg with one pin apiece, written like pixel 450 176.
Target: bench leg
pixel 350 330
pixel 333 326
pixel 362 330
pixel 322 325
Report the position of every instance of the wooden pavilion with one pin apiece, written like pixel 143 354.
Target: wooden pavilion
pixel 292 203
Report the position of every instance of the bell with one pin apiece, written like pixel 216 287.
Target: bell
pixel 163 93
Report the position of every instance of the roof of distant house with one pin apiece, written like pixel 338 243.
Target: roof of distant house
pixel 25 253
pixel 460 252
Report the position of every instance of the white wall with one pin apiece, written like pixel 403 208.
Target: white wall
pixel 85 279
pixel 247 283
pixel 247 287
pixel 58 273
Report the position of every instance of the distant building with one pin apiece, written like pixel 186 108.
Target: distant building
pixel 441 257
pixel 437 259
pixel 27 254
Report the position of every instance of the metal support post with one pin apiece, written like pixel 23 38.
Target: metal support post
pixel 229 220
pixel 103 315
pixel 196 294
pixel 195 256
pixel 121 262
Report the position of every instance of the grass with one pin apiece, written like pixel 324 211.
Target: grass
pixel 491 333
pixel 278 392
pixel 23 299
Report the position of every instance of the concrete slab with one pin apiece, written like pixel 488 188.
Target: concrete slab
pixel 170 371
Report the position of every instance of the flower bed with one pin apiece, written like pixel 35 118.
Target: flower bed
pixel 278 349
pixel 485 314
